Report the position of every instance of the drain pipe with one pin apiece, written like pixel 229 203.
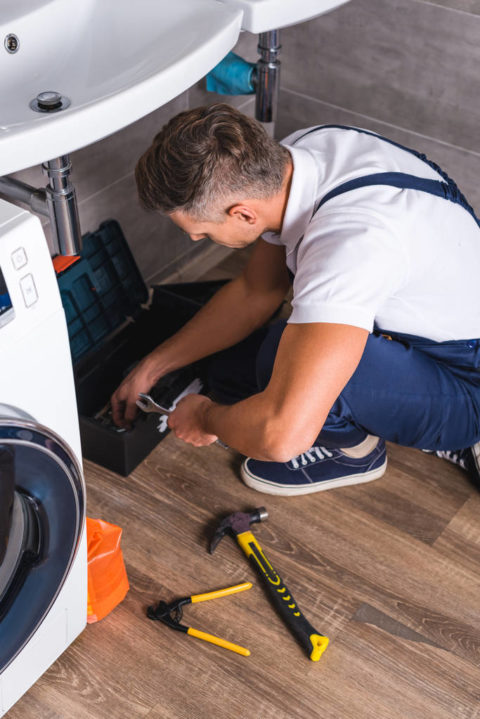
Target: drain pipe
pixel 62 205
pixel 57 201
pixel 268 76
pixel 235 76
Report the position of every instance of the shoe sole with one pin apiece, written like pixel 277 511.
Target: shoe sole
pixel 290 490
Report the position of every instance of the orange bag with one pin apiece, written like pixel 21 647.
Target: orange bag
pixel 107 577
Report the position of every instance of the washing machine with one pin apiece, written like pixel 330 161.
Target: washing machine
pixel 43 564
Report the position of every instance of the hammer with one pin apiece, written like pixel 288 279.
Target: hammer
pixel 238 525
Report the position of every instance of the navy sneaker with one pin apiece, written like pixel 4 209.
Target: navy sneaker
pixel 468 459
pixel 319 468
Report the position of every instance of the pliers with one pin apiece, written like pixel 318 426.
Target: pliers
pixel 171 615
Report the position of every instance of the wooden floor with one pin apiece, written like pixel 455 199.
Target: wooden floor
pixel 389 570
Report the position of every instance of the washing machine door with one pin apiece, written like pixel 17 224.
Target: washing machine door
pixel 42 513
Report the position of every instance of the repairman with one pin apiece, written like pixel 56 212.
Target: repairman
pixel 383 339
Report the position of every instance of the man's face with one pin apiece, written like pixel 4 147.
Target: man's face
pixel 237 230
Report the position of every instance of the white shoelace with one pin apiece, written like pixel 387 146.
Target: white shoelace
pixel 312 455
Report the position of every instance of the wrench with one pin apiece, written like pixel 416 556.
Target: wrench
pixel 147 404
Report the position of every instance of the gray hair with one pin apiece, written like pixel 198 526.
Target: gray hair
pixel 207 157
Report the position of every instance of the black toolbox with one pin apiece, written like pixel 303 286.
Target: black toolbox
pixel 112 326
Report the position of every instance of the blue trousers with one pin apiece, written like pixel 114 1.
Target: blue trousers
pixel 407 390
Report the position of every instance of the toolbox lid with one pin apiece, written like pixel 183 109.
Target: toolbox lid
pixel 101 289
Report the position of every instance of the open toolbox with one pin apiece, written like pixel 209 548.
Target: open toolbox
pixel 112 326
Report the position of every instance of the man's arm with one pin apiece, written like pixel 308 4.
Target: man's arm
pixel 230 316
pixel 313 364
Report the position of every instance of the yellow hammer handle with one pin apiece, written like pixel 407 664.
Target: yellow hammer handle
pixel 220 592
pixel 219 642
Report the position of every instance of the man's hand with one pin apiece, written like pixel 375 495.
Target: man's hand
pixel 187 421
pixel 123 400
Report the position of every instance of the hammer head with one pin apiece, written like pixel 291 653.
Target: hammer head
pixel 237 523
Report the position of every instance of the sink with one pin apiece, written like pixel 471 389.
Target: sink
pixel 115 61
pixel 264 15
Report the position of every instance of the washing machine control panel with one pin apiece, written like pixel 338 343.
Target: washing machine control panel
pixel 27 283
pixel 28 286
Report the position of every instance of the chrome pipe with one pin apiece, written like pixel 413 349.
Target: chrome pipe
pixel 19 193
pixel 62 206
pixel 57 202
pixel 268 76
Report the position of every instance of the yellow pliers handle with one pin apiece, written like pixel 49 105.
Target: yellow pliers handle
pixel 217 594
pixel 218 641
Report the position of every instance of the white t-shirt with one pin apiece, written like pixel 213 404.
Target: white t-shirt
pixel 403 259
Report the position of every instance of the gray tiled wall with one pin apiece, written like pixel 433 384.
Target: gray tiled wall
pixel 409 69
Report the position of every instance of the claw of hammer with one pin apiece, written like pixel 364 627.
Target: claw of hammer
pixel 238 525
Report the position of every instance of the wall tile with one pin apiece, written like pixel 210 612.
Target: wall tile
pixel 154 240
pixel 469 6
pixel 409 63
pixel 297 111
pixel 114 157
pixel 32 176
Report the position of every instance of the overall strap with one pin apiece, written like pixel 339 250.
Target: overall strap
pixel 447 189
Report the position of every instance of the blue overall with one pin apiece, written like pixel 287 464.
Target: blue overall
pixel 408 390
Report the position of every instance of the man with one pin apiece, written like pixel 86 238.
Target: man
pixel 382 342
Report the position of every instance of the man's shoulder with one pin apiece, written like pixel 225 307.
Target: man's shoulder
pixel 293 137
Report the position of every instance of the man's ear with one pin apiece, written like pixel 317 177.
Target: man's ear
pixel 244 213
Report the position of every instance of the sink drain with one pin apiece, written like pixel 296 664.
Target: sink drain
pixel 12 43
pixel 49 101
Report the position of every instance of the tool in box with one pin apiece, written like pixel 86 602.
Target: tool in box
pixel 238 525
pixel 147 404
pixel 171 615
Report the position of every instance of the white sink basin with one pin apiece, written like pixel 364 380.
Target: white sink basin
pixel 264 15
pixel 116 61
